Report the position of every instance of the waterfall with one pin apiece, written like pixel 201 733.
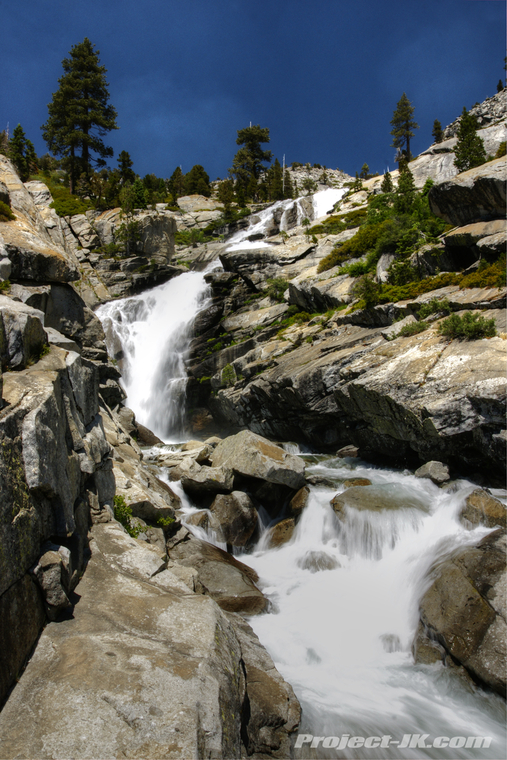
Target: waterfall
pixel 151 333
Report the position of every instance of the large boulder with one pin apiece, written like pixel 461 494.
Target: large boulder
pixel 236 515
pixel 229 582
pixel 22 335
pixel 252 456
pixel 475 195
pixel 464 610
pixel 481 508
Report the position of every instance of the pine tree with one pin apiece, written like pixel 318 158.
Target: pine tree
pixel 22 153
pixel 176 184
pixel 197 182
pixel 364 171
pixel 403 125
pixel 288 191
pixel 405 192
pixel 80 114
pixel 125 165
pixel 139 194
pixel 276 182
pixel 437 133
pixel 499 86
pixel 250 159
pixel 469 150
pixel 387 184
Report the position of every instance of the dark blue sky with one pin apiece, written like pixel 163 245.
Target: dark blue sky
pixel 323 75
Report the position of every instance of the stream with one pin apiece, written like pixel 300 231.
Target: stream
pixel 343 595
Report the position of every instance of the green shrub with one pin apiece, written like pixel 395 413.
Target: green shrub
pixel 470 326
pixel 6 214
pixel 367 290
pixel 4 286
pixel 501 150
pixel 412 329
pixel 276 288
pixel 487 276
pixel 66 204
pixel 123 513
pixel 435 306
pixel 229 377
pixel 165 522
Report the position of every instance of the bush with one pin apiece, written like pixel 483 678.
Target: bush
pixel 6 214
pixel 66 204
pixel 367 291
pixel 276 288
pixel 229 376
pixel 501 150
pixel 470 326
pixel 435 306
pixel 123 513
pixel 487 276
pixel 412 329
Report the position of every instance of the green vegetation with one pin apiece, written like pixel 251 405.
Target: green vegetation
pixel 276 288
pixel 80 114
pixel 123 513
pixel 412 329
pixel 229 376
pixel 248 163
pixel 438 132
pixel 501 150
pixel 6 214
pixel 64 203
pixel 165 522
pixel 435 306
pixel 469 150
pixel 5 286
pixel 396 222
pixel 470 326
pixel 22 154
pixel 403 125
pixel 333 225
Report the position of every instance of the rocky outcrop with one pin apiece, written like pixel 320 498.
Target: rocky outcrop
pixel 146 668
pixel 464 610
pixel 475 195
pixel 489 112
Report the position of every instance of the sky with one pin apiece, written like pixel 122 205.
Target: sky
pixel 323 75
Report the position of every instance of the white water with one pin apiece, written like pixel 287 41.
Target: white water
pixel 323 202
pixel 345 610
pixel 154 330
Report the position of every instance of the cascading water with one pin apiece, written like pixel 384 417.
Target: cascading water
pixel 152 333
pixel 345 609
pixel 322 203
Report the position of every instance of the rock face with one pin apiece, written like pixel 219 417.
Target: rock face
pixel 464 610
pixel 476 195
pixel 166 671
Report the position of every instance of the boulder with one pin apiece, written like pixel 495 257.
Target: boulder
pixel 236 515
pixel 282 532
pixel 199 481
pixel 434 471
pixel 22 335
pixel 464 609
pixel 252 456
pixel 229 582
pixel 475 195
pixel 375 498
pixel 299 501
pixel 481 508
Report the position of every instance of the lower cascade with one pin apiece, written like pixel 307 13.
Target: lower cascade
pixel 344 590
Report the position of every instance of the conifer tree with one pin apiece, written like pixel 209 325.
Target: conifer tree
pixel 437 133
pixel 250 159
pixel 403 125
pixel 364 171
pixel 22 153
pixel 288 190
pixel 139 194
pixel 276 182
pixel 469 150
pixel 405 192
pixel 197 182
pixel 80 114
pixel 176 184
pixel 387 183
pixel 125 165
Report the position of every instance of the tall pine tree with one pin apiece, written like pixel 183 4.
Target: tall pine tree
pixel 438 132
pixel 249 160
pixel 403 125
pixel 125 165
pixel 22 153
pixel 80 114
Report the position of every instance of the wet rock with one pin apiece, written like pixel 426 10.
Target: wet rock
pixel 252 456
pixel 376 498
pixel 236 515
pixel 205 481
pixel 356 482
pixel 146 437
pixel 300 500
pixel 348 451
pixel 481 508
pixel 316 561
pixel 465 610
pixel 282 532
pixel 425 650
pixel 437 472
pixel 273 712
pixel 229 582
